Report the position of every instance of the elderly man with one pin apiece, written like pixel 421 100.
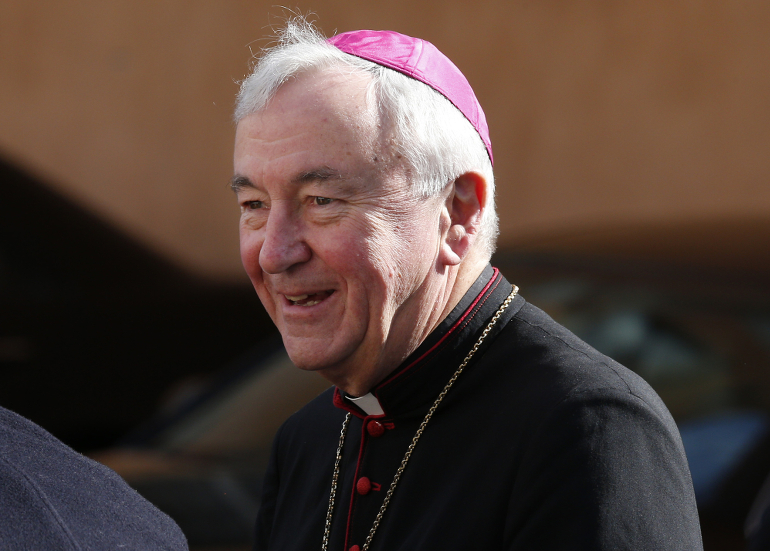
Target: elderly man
pixel 461 417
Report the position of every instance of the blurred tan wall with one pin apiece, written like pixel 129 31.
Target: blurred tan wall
pixel 602 114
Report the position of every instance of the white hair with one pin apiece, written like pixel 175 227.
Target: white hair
pixel 434 138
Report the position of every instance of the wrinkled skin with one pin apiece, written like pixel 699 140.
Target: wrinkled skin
pixel 328 220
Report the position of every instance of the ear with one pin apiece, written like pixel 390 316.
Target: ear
pixel 464 207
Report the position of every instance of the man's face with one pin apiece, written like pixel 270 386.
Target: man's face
pixel 340 252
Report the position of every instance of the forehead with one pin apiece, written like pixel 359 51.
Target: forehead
pixel 319 119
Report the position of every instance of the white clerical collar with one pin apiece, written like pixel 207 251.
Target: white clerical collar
pixel 369 403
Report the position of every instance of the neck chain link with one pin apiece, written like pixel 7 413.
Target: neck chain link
pixel 412 445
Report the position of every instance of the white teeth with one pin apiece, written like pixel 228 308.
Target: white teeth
pixel 297 300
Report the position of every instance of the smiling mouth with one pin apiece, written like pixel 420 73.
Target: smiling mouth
pixel 308 300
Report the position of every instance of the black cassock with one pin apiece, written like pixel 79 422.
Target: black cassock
pixel 542 443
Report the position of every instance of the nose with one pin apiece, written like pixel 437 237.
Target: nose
pixel 283 245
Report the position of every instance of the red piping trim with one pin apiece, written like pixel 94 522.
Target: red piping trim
pixel 355 478
pixel 448 333
pixel 339 401
pixel 486 298
pixel 342 403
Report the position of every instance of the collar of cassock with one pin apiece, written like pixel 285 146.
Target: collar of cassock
pixel 417 381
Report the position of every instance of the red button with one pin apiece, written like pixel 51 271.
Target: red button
pixel 355 548
pixel 363 486
pixel 375 428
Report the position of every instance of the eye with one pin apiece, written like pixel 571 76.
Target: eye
pixel 322 200
pixel 253 205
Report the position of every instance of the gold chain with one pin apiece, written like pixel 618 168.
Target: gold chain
pixel 412 445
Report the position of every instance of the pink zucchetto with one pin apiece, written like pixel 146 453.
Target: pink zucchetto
pixel 422 61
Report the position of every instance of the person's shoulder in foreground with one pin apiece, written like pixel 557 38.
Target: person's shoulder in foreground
pixel 52 497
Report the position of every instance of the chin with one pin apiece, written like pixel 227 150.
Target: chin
pixel 320 352
pixel 304 363
pixel 307 360
pixel 323 365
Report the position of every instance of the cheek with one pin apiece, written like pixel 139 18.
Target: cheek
pixel 251 244
pixel 390 263
pixel 415 252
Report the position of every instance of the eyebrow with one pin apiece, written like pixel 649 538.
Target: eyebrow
pixel 323 174
pixel 239 183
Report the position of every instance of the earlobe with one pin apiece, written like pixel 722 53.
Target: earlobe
pixel 464 207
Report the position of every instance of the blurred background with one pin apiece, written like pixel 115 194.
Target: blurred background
pixel 632 156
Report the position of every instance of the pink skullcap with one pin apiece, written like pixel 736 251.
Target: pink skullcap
pixel 422 61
